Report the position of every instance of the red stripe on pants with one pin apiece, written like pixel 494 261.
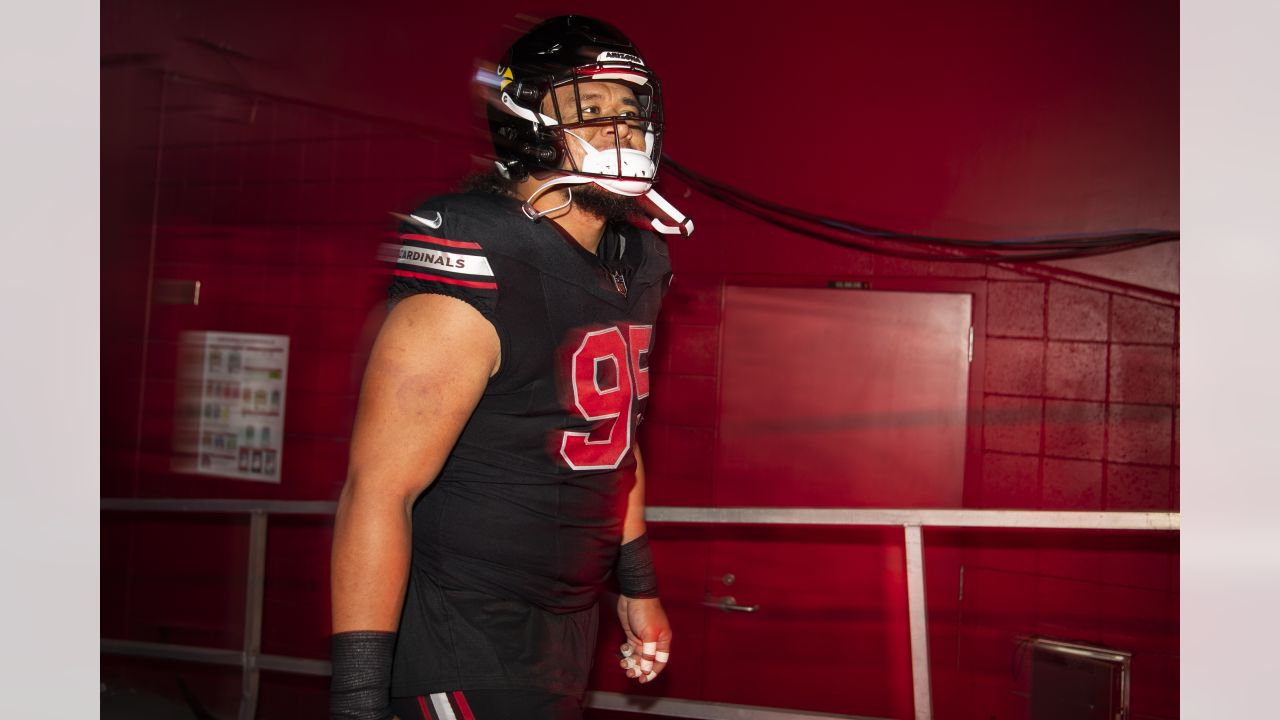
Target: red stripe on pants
pixel 461 701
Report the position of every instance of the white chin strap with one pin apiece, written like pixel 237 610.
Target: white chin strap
pixel 633 179
pixel 664 217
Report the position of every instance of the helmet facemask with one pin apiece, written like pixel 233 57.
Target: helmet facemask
pixel 546 121
pixel 602 123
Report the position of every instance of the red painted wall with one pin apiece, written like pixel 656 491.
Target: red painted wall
pixel 984 120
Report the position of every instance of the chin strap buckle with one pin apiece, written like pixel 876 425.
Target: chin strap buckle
pixel 663 213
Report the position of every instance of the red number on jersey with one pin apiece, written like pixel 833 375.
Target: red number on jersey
pixel 641 335
pixel 605 354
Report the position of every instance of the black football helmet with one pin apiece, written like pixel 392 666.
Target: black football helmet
pixel 539 111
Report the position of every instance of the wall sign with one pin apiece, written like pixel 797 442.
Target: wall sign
pixel 231 397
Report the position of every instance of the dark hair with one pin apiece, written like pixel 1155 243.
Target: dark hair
pixel 487 181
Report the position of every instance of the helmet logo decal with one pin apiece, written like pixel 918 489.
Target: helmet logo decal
pixel 615 56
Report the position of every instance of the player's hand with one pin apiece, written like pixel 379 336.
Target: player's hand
pixel 648 646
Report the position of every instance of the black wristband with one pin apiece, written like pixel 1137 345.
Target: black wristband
pixel 636 577
pixel 361 687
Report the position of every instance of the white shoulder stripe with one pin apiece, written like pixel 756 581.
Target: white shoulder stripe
pixel 451 262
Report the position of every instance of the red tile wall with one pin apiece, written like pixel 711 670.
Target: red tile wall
pixel 1106 441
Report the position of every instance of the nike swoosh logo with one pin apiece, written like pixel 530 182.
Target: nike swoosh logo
pixel 434 224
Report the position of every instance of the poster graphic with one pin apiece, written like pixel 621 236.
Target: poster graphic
pixel 231 396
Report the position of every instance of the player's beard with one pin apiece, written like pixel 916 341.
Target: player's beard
pixel 595 200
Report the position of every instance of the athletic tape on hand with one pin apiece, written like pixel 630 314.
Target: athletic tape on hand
pixel 661 656
pixel 646 665
pixel 626 650
pixel 650 648
pixel 651 675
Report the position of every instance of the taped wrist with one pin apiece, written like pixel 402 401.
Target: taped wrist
pixel 636 577
pixel 361 686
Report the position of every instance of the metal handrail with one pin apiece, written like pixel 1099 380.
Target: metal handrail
pixel 913 520
pixel 931 517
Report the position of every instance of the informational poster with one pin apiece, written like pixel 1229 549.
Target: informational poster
pixel 231 397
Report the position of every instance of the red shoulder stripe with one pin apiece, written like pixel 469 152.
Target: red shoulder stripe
pixel 440 241
pixel 452 281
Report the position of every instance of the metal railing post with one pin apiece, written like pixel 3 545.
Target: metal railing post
pixel 253 598
pixel 919 623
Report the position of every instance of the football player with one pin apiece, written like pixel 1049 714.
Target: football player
pixel 494 483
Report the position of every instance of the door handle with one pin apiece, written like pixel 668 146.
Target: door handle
pixel 728 604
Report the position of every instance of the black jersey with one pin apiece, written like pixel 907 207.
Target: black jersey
pixel 514 539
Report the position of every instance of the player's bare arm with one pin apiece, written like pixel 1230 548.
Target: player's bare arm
pixel 648 646
pixel 426 373
pixel 633 524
